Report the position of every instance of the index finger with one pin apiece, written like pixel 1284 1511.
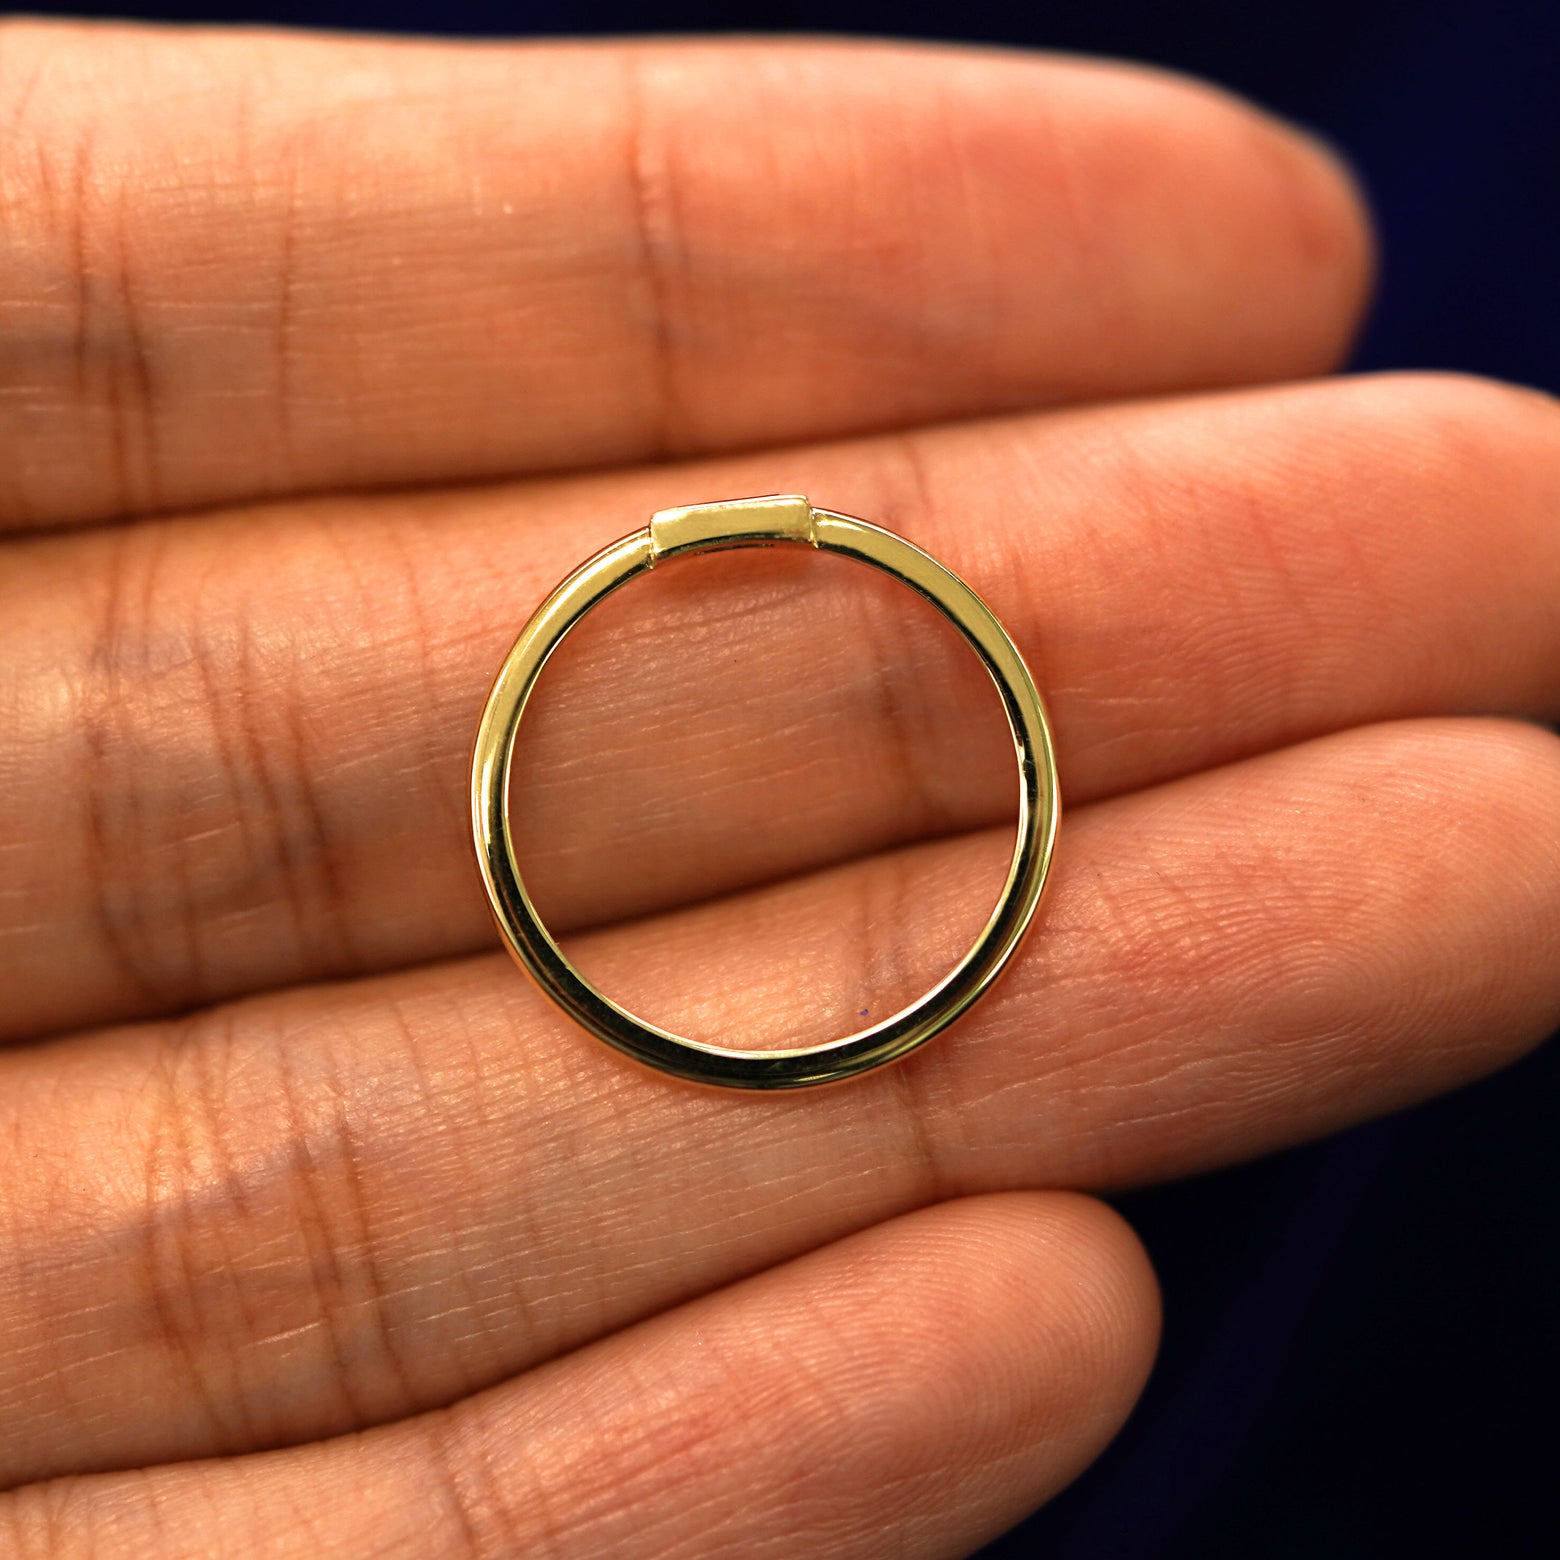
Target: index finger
pixel 243 264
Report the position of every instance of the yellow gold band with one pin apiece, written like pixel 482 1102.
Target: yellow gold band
pixel 762 522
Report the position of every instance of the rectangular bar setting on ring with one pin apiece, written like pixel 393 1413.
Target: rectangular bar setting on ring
pixel 743 522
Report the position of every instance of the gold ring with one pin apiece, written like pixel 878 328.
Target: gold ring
pixel 762 522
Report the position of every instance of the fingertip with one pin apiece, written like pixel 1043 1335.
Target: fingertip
pixel 1334 230
pixel 1037 1315
pixel 1098 1327
pixel 1305 197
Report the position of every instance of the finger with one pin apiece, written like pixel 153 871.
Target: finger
pixel 237 750
pixel 911 1391
pixel 245 263
pixel 329 1208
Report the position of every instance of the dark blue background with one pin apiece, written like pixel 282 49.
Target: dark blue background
pixel 1362 1345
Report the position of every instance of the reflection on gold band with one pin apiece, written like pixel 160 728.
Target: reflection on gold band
pixel 762 522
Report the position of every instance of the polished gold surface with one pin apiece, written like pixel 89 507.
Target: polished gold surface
pixel 782 520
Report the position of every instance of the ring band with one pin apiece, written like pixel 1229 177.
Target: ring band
pixel 762 522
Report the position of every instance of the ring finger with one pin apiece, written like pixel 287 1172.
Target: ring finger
pixel 315 1210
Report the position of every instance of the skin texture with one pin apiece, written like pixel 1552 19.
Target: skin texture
pixel 320 362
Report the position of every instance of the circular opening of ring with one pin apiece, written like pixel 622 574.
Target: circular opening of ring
pixel 764 799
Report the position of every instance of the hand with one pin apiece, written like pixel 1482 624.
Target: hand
pixel 293 1154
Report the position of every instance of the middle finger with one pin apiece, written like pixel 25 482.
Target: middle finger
pixel 250 733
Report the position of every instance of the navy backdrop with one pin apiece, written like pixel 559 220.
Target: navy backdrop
pixel 1362 1343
